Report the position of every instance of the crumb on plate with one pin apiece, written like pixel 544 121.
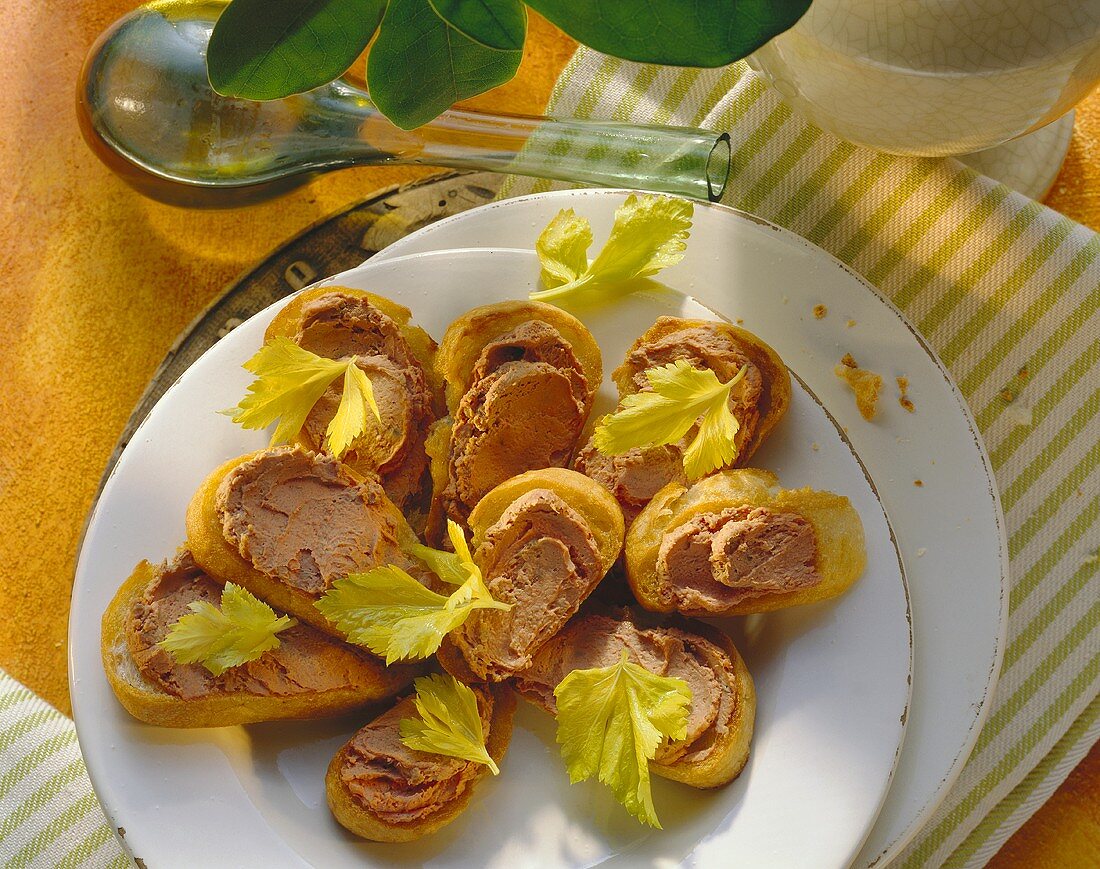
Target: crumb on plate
pixel 820 311
pixel 918 483
pixel 851 323
pixel 865 384
pixel 903 396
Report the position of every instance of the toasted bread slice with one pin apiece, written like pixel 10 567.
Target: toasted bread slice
pixel 831 558
pixel 310 675
pixel 207 540
pixel 360 819
pixel 399 359
pixel 544 540
pixel 467 336
pixel 287 323
pixel 520 381
pixel 718 744
pixel 775 394
pixel 594 503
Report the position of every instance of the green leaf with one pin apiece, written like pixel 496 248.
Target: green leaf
pixel 449 722
pixel 289 382
pixel 396 617
pixel 563 248
pixel 650 233
pixel 243 629
pixel 498 24
pixel 455 567
pixel 611 721
pixel 420 66
pixel 681 396
pixel 350 420
pixel 675 32
pixel 269 49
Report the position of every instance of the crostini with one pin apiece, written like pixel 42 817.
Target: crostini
pixel 520 380
pixel 286 523
pixel 736 543
pixel 543 541
pixel 309 675
pixel 399 360
pixel 723 698
pixel 758 401
pixel 382 790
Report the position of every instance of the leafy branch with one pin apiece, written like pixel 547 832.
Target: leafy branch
pixel 429 54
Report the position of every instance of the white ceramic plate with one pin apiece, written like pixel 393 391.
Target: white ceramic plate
pixel 950 530
pixel 833 679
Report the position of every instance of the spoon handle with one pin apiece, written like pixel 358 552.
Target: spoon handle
pixel 680 160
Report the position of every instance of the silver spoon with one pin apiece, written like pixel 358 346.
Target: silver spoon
pixel 147 110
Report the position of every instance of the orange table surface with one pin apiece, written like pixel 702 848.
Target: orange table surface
pixel 97 283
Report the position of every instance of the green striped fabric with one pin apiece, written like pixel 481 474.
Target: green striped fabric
pixel 49 815
pixel 1008 293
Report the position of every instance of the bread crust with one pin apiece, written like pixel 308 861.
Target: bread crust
pixel 365 823
pixel 841 556
pixel 149 703
pixel 775 396
pixel 221 559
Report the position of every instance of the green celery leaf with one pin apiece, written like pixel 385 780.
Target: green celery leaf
pixel 675 32
pixel 649 234
pixel 681 396
pixel 611 720
pixel 243 629
pixel 420 66
pixel 449 722
pixel 269 49
pixel 498 24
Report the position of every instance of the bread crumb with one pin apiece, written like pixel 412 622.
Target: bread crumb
pixel 921 551
pixel 820 311
pixel 918 483
pixel 815 446
pixel 740 321
pixel 851 323
pixel 865 384
pixel 903 397
pixel 1008 395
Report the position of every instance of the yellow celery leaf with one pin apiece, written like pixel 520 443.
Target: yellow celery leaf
pixel 650 233
pixel 681 396
pixel 289 382
pixel 350 419
pixel 449 721
pixel 611 720
pixel 396 617
pixel 563 248
pixel 243 629
pixel 452 567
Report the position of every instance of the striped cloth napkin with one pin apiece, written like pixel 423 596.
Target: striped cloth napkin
pixel 1007 292
pixel 49 815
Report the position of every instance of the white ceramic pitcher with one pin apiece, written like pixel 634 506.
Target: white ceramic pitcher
pixel 936 77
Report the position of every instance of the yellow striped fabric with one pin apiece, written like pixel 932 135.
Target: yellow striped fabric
pixel 49 815
pixel 1008 293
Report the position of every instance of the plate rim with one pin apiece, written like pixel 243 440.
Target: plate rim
pixel 982 713
pixel 369 264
